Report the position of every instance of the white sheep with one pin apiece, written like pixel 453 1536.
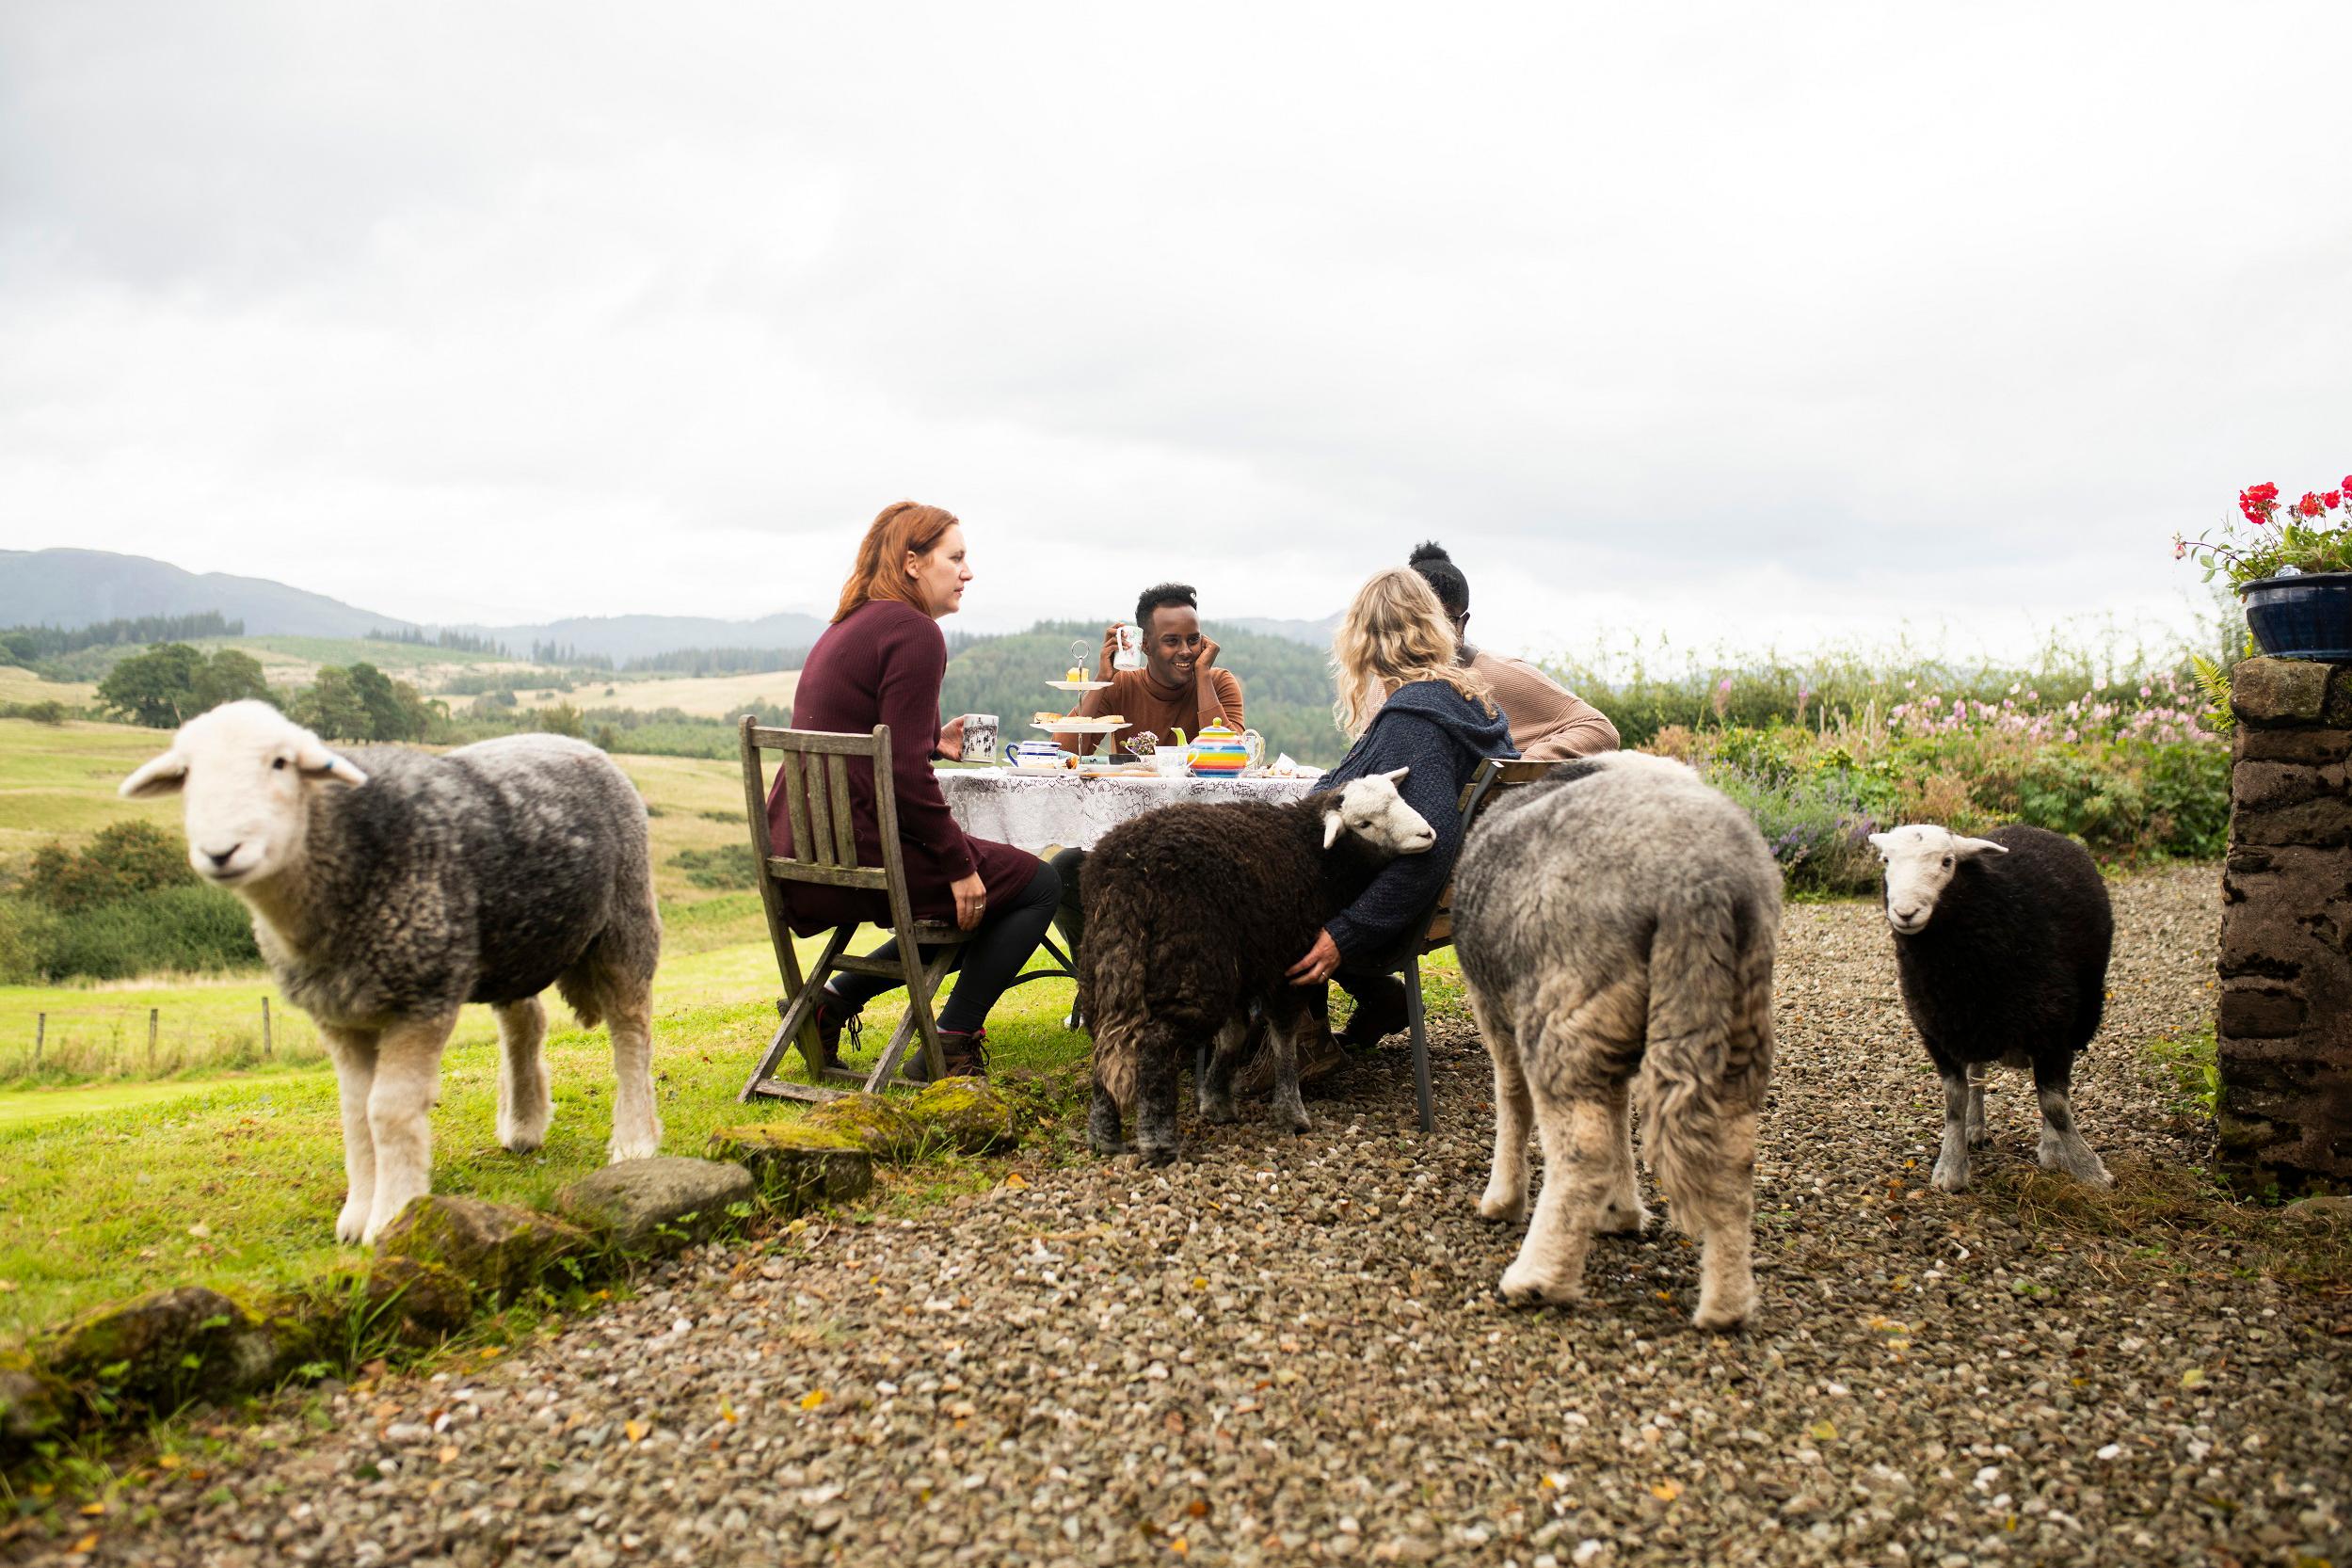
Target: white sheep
pixel 389 888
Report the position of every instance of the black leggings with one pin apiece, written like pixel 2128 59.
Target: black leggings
pixel 985 965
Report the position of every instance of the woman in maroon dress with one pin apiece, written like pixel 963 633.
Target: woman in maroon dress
pixel 881 662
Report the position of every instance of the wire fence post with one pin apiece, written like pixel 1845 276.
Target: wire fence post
pixel 266 1050
pixel 154 1014
pixel 40 1036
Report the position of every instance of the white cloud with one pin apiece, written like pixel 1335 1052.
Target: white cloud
pixel 1748 323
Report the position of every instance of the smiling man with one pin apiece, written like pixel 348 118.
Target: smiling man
pixel 1177 688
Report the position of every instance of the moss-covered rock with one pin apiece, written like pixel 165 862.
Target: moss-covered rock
pixel 797 1164
pixel 169 1346
pixel 883 1128
pixel 965 1113
pixel 659 1205
pixel 414 1301
pixel 497 1250
pixel 31 1405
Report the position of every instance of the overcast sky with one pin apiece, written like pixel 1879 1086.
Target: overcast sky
pixel 1745 324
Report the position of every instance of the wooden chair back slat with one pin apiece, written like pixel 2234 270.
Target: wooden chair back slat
pixel 844 822
pixel 816 846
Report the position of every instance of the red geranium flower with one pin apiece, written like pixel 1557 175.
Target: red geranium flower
pixel 2309 507
pixel 2332 500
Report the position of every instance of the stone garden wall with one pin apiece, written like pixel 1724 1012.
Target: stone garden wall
pixel 2285 1023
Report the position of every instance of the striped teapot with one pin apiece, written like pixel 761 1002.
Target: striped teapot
pixel 1218 752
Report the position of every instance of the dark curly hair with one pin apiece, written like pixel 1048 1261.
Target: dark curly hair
pixel 1438 570
pixel 1163 595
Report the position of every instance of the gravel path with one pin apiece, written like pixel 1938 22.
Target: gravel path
pixel 1288 1348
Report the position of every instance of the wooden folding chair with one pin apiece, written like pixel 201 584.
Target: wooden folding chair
pixel 1436 929
pixel 815 777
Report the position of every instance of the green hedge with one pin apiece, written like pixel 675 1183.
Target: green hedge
pixel 189 929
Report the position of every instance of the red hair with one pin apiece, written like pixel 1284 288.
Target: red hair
pixel 881 568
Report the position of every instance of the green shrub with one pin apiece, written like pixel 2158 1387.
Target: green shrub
pixel 23 929
pixel 175 930
pixel 122 859
pixel 729 867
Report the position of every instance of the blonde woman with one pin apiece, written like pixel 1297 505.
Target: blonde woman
pixel 1408 704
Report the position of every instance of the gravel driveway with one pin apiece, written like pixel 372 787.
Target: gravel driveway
pixel 1288 1348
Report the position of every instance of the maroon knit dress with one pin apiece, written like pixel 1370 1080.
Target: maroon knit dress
pixel 882 664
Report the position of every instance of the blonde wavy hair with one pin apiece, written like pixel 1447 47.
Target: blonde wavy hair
pixel 1396 632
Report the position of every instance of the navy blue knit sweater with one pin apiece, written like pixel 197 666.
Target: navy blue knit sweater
pixel 1442 736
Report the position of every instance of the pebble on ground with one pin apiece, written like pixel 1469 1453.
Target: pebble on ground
pixel 1288 1349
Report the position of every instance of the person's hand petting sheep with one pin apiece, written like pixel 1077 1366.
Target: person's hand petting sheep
pixel 1320 963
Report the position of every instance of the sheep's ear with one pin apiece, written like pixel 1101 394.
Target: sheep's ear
pixel 1968 849
pixel 1334 822
pixel 316 762
pixel 1396 776
pixel 1883 844
pixel 162 776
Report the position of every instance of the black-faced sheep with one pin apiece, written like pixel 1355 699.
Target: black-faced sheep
pixel 2002 945
pixel 1616 923
pixel 1196 912
pixel 389 888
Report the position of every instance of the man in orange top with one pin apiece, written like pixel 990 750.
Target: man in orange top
pixel 1177 688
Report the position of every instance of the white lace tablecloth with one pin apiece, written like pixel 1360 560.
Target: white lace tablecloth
pixel 1038 811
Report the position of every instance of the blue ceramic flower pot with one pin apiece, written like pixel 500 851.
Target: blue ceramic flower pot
pixel 2301 617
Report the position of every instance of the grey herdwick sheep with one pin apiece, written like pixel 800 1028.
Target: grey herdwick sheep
pixel 2001 946
pixel 1616 923
pixel 389 888
pixel 1193 913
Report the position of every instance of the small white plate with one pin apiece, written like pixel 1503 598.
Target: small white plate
pixel 1081 726
pixel 1078 685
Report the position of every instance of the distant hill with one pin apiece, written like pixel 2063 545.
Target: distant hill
pixel 76 587
pixel 620 638
pixel 1315 634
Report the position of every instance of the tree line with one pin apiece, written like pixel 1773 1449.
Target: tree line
pixel 172 682
pixel 21 645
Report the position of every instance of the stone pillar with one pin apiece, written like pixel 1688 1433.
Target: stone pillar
pixel 2285 1025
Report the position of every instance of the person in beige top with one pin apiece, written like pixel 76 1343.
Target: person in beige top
pixel 1548 722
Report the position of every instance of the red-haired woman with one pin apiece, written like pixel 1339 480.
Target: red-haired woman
pixel 881 662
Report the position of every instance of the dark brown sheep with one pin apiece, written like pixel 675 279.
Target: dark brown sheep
pixel 1196 912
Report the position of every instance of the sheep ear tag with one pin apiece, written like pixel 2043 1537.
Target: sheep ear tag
pixel 1334 823
pixel 160 775
pixel 318 762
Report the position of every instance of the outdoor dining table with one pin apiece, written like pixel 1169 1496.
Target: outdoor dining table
pixel 1065 810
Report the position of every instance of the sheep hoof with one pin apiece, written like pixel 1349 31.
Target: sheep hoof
pixel 514 1142
pixel 1503 1207
pixel 1109 1148
pixel 1164 1154
pixel 2081 1165
pixel 640 1147
pixel 1222 1112
pixel 1721 1316
pixel 351 1224
pixel 1521 1286
pixel 1622 1218
pixel 1950 1176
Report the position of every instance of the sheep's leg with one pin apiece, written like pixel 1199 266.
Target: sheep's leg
pixel 1623 1214
pixel 1577 1138
pixel 1215 1089
pixel 1104 1133
pixel 1159 1069
pixel 353 1051
pixel 1951 1165
pixel 1708 1169
pixel 524 1107
pixel 2062 1147
pixel 399 1113
pixel 637 1122
pixel 1283 1035
pixel 1978 1136
pixel 1506 1195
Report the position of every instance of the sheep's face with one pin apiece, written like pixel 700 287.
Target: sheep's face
pixel 244 773
pixel 1372 810
pixel 1920 861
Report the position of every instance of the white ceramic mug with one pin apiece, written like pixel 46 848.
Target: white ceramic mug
pixel 1127 647
pixel 980 737
pixel 1169 762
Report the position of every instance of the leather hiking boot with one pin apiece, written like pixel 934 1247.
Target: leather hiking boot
pixel 833 1016
pixel 1380 1011
pixel 963 1055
